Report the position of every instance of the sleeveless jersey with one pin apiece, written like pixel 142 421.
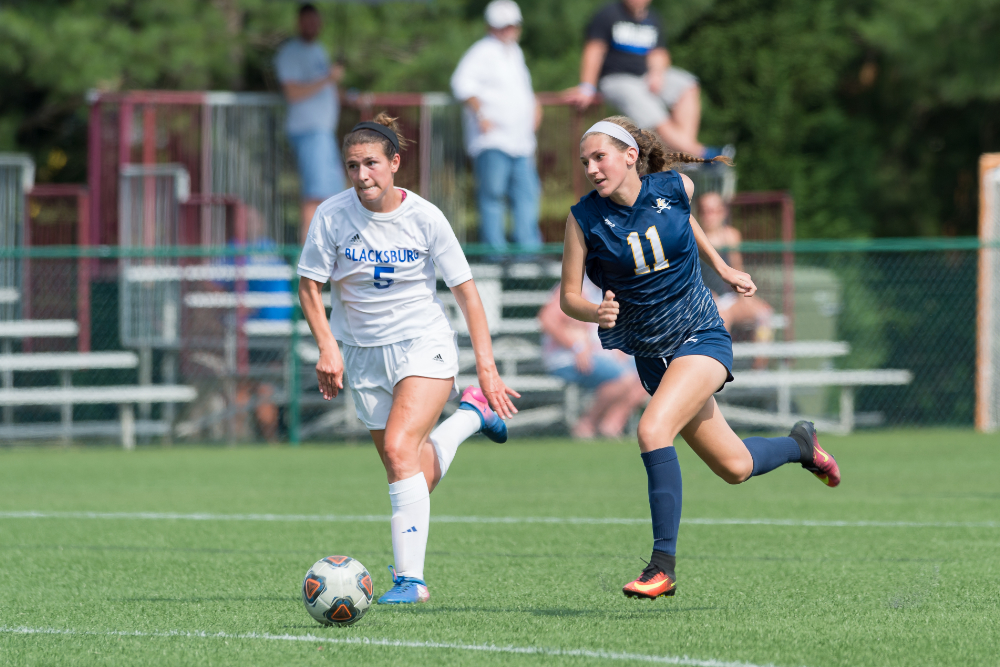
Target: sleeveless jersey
pixel 647 255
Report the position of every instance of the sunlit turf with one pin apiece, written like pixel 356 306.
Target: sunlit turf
pixel 787 595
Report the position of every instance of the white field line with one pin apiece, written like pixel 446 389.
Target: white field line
pixel 394 643
pixel 384 518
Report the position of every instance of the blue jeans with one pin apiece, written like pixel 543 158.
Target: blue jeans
pixel 501 177
pixel 320 172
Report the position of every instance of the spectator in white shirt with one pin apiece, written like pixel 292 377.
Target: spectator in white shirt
pixel 501 117
pixel 310 86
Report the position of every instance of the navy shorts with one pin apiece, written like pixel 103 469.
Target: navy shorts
pixel 715 343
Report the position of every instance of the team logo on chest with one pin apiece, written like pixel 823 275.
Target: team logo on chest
pixel 661 204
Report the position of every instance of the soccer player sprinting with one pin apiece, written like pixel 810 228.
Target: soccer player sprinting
pixel 635 238
pixel 378 245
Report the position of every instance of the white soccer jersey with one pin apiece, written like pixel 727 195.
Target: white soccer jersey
pixel 381 266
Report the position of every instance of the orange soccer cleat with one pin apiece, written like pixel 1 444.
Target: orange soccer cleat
pixel 651 584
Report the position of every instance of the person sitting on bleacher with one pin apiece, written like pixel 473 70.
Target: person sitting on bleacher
pixel 625 57
pixel 713 214
pixel 571 350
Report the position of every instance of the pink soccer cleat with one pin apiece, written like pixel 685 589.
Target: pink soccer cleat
pixel 819 462
pixel 492 426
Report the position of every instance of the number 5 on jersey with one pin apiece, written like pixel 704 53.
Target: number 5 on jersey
pixel 641 268
pixel 380 281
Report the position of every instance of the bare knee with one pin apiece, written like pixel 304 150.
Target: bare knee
pixel 398 454
pixel 735 471
pixel 654 433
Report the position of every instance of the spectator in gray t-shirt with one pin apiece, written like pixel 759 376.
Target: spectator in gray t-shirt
pixel 310 86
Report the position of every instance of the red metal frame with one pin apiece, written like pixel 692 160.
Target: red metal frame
pixel 112 116
pixel 125 104
pixel 365 104
pixel 83 265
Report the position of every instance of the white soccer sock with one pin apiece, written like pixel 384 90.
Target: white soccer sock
pixel 411 518
pixel 452 432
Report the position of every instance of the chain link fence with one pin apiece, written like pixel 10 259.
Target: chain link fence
pixel 207 344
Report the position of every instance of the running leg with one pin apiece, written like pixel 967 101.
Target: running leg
pixel 447 437
pixel 683 391
pixel 735 460
pixel 416 405
pixel 683 404
pixel 686 386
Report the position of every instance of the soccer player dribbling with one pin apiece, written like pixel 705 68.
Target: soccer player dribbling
pixel 636 239
pixel 378 245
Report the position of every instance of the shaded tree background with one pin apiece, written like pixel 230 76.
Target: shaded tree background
pixel 873 113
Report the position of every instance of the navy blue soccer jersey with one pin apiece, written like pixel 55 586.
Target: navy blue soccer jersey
pixel 647 255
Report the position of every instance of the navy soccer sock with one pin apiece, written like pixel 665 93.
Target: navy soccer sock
pixel 665 491
pixel 770 453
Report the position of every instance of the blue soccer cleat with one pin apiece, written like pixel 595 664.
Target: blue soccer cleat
pixel 492 426
pixel 405 590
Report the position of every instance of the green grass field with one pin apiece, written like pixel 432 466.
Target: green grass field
pixel 920 587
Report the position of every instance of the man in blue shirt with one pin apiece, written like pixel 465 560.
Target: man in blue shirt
pixel 310 86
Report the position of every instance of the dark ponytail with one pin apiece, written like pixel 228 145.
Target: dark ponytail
pixel 652 156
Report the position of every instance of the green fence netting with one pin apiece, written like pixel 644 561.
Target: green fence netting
pixel 891 325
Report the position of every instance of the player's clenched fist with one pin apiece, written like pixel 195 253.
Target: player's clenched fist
pixel 607 311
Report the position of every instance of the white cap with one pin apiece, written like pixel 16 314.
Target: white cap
pixel 502 13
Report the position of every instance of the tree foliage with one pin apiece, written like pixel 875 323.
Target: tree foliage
pixel 873 113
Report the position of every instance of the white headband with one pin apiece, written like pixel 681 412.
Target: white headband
pixel 613 130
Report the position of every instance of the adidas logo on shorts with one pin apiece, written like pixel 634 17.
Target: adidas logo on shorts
pixel 438 357
pixel 356 240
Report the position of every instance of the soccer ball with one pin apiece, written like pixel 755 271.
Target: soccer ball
pixel 337 590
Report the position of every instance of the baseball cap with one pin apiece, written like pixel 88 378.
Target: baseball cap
pixel 502 13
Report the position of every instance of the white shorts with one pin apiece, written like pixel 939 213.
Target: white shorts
pixel 632 96
pixel 372 372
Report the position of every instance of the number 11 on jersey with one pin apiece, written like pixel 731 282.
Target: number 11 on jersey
pixel 660 257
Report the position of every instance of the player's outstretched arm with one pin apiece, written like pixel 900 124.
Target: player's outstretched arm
pixel 330 367
pixel 740 280
pixel 497 393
